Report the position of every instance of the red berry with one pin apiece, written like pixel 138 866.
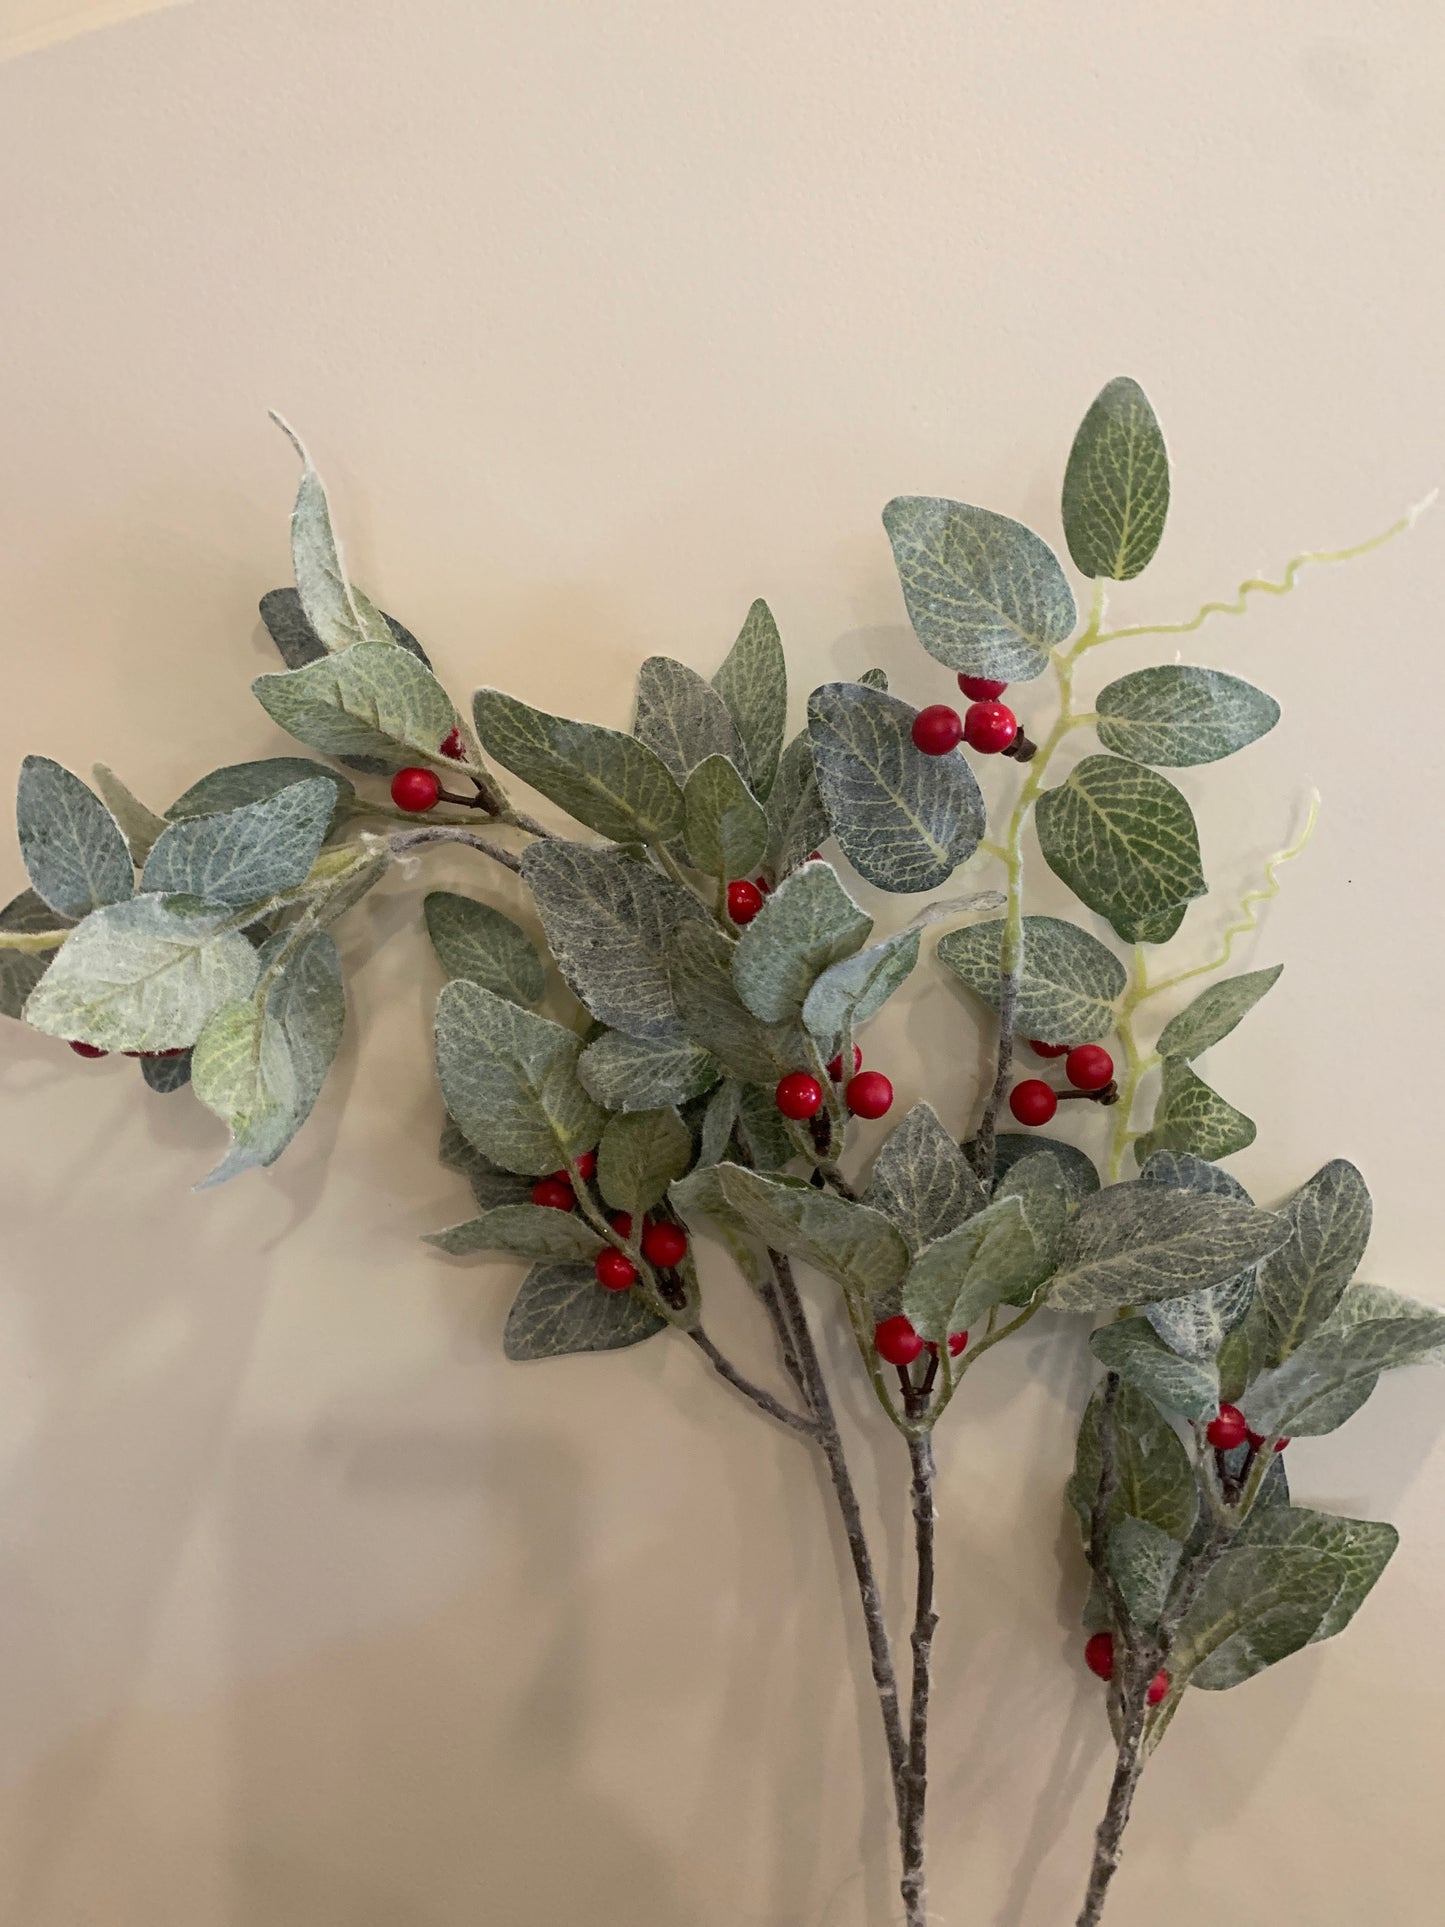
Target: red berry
pixel 615 1270
pixel 1089 1067
pixel 744 901
pixel 989 727
pixel 869 1094
pixel 764 886
pixel 415 790
pixel 937 729
pixel 1046 1050
pixel 1158 1687
pixel 1227 1430
pixel 1099 1655
pixel 957 1343
pixel 799 1096
pixel 587 1165
pixel 981 689
pixel 1033 1101
pixel 814 856
pixel 664 1244
pixel 621 1222
pixel 554 1193
pixel 896 1341
pixel 87 1050
pixel 453 746
pixel 835 1064
pixel 1256 1439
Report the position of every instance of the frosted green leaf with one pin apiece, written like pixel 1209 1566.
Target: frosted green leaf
pixel 700 971
pixel 763 1129
pixel 611 782
pixel 641 1073
pixel 70 844
pixel 1142 1359
pixel 21 970
pixel 139 825
pixel 238 783
pixel 473 940
pixel 1304 1281
pixel 510 1080
pixel 1070 983
pixel 922 1181
pixel 144 975
pixel 297 642
pixel 951 1283
pixel 718 1121
pixel 727 827
pixel 1134 1243
pixel 985 595
pixel 1196 1324
pixel 490 1184
pixel 797 821
pixel 169 1074
pixel 246 854
pixel 562 1309
pixel 260 1062
pixel 753 682
pixel 808 922
pixel 1177 716
pixel 639 1156
pixel 904 820
pixel 1143 1559
pixel 1155 1481
pixel 371 700
pixel 1116 484
pixel 1124 840
pixel 850 1243
pixel 1075 1166
pixel 1372 1331
pixel 1189 1116
pixel 338 614
pixel 856 988
pixel 524 1230
pixel 1214 1013
pixel 1039 1184
pixel 682 718
pixel 610 923
pixel 1362 1547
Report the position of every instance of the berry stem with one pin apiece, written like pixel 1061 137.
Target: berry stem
pixel 405 840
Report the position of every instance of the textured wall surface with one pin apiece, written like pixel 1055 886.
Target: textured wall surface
pixel 603 319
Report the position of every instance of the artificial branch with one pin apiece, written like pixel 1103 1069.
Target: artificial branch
pixel 764 1400
pixel 925 1619
pixel 406 840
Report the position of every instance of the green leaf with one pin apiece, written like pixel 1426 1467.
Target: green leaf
pixel 904 820
pixel 639 1156
pixel 682 718
pixel 246 854
pixel 526 1230
pixel 642 1073
pixel 1214 1013
pixel 490 1184
pixel 1125 842
pixel 297 642
pixel 510 1080
pixel 753 682
pixel 144 975
pixel 1143 1559
pixel 1134 1243
pixel 260 1062
pixel 851 1243
pixel 1362 1546
pixel 989 1257
pixel 139 825
pixel 1177 716
pixel 1041 1187
pixel 562 1309
pixel 763 1129
pixel 1075 1166
pixel 21 970
pixel 922 1181
pixel 797 821
pixel 719 1118
pixel 1116 484
pixel 473 940
pixel 169 1074
pixel 1070 984
pixel 1303 1282
pixel 1197 1324
pixel 611 923
pixel 338 613
pixel 985 595
pixel 611 782
pixel 238 783
pixel 1141 1358
pixel 727 828
pixel 70 844
pixel 1155 1481
pixel 1372 1331
pixel 808 922
pixel 700 971
pixel 849 992
pixel 1189 1116
pixel 372 700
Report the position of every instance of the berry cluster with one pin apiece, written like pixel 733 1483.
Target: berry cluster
pixel 1089 1069
pixel 94 1050
pixel 664 1244
pixel 1229 1428
pixel 799 1095
pixel 897 1343
pixel 987 725
pixel 1099 1658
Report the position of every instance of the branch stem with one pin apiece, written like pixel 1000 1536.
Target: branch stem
pixel 925 1620
pixel 764 1400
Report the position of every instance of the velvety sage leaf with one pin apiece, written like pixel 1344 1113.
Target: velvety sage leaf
pixel 904 820
pixel 70 844
pixel 298 643
pixel 1116 484
pixel 985 595
pixel 1155 1481
pixel 611 782
pixel 642 1073
pixel 1189 1116
pixel 856 988
pixel 371 700
pixel 727 827
pixel 1371 1331
pixel 753 682
pixel 260 1062
pixel 473 940
pixel 640 1155
pixel 144 975
pixel 951 1283
pixel 525 1230
pixel 510 1080
pixel 807 923
pixel 1039 1184
pixel 21 970
pixel 1141 1358
pixel 797 821
pixel 719 1119
pixel 1186 1172
pixel 1143 1559
pixel 562 1309
pixel 1124 840
pixel 1133 1243
pixel 139 825
pixel 922 1181
pixel 850 1243
pixel 682 718
pixel 1070 985
pixel 246 854
pixel 1305 1279
pixel 338 614
pixel 1175 716
pixel 490 1184
pixel 1197 1324
pixel 1214 1013
pixel 238 783
pixel 700 971
pixel 168 1074
pixel 1362 1548
pixel 610 923
pixel 1075 1166
pixel 875 679
pixel 763 1129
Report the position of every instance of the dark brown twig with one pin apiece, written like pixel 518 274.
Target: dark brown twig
pixel 764 1400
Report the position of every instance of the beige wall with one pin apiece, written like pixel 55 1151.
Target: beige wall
pixel 604 318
